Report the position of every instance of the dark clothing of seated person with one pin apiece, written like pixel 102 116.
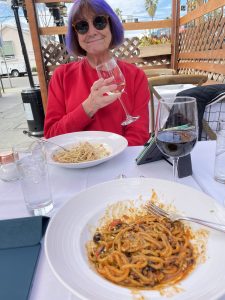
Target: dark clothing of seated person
pixel 77 99
pixel 204 95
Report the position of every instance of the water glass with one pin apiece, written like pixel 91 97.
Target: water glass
pixel 34 178
pixel 8 170
pixel 219 170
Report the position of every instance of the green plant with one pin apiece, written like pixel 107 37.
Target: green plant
pixel 151 6
pixel 154 40
pixel 118 11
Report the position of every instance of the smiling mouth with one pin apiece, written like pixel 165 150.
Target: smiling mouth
pixel 93 41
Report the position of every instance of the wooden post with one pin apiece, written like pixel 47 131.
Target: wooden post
pixel 33 23
pixel 175 33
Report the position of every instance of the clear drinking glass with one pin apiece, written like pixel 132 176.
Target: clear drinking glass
pixel 219 168
pixel 34 178
pixel 8 170
pixel 176 127
pixel 111 69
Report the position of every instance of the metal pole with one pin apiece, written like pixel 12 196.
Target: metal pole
pixel 2 84
pixel 15 8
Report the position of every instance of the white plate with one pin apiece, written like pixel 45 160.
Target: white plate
pixel 69 230
pixel 115 143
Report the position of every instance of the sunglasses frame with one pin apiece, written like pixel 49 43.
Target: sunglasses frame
pixel 103 24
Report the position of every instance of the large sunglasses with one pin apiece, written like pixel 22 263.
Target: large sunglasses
pixel 99 22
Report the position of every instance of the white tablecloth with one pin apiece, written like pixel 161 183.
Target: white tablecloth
pixel 68 182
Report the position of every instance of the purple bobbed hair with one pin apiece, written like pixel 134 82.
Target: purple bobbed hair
pixel 100 7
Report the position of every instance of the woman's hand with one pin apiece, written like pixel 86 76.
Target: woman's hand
pixel 99 97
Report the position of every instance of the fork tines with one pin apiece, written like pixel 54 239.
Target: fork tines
pixel 155 210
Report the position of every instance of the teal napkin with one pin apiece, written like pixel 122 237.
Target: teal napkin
pixel 20 244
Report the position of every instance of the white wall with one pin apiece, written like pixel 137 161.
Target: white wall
pixel 10 33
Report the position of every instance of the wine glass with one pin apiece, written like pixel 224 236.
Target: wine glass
pixel 176 127
pixel 111 69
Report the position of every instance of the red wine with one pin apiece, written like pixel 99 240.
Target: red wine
pixel 176 143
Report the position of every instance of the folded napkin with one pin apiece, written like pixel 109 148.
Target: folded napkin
pixel 19 250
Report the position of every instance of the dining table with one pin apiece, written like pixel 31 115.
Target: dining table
pixel 66 183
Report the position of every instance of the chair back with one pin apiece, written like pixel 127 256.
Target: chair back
pixel 169 80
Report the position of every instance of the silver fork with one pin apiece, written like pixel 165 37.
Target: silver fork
pixel 152 208
pixel 43 140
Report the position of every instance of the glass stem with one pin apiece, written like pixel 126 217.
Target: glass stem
pixel 124 107
pixel 175 163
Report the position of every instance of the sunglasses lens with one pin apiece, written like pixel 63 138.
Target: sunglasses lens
pixel 82 27
pixel 100 22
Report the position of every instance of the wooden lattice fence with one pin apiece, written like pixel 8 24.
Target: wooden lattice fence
pixel 199 49
pixel 202 49
pixel 55 54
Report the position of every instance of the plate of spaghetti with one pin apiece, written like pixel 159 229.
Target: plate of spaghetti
pixel 84 149
pixel 103 244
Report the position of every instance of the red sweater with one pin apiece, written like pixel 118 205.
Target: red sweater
pixel 70 86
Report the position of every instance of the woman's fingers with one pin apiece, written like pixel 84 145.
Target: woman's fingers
pixel 97 84
pixel 104 86
pixel 103 92
pixel 102 82
pixel 109 89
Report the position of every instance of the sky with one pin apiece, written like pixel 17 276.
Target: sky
pixel 132 8
pixel 136 8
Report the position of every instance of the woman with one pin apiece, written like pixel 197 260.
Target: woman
pixel 77 99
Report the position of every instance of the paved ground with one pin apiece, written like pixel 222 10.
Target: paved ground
pixel 12 115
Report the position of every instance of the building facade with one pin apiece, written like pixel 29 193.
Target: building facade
pixel 11 46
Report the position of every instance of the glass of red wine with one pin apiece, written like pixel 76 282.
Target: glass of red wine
pixel 109 69
pixel 176 127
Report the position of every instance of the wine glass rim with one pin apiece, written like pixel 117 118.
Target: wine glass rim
pixel 177 99
pixel 111 59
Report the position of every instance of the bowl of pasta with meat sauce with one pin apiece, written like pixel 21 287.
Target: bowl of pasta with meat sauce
pixel 84 149
pixel 115 249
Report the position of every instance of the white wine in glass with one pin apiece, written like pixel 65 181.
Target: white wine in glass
pixel 176 127
pixel 111 69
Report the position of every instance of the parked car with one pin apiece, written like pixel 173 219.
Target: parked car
pixel 15 69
